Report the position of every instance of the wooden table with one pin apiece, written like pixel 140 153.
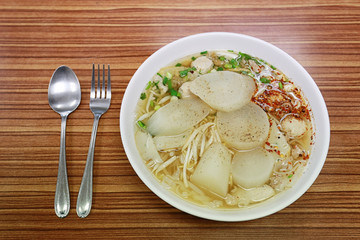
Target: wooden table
pixel 38 36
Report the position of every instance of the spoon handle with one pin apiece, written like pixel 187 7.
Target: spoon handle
pixel 62 195
pixel 84 200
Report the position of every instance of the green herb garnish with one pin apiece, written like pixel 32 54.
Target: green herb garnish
pixel 186 71
pixel 220 69
pixel 156 84
pixel 245 56
pixel 178 65
pixel 143 96
pixel 222 58
pixel 165 80
pixel 233 63
pixel 227 65
pixel 273 67
pixel 173 92
pixel 264 80
pixel 290 176
pixel 159 75
pixel 204 52
pixel 193 58
pixel 168 75
pixel 281 86
pixel 152 104
pixel 148 85
pixel 141 124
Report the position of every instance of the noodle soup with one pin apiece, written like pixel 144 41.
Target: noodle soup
pixel 223 129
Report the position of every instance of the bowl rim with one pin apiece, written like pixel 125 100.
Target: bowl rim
pixel 131 93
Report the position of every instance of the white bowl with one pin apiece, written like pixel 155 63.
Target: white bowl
pixel 255 47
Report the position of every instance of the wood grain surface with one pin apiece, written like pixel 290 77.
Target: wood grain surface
pixel 38 36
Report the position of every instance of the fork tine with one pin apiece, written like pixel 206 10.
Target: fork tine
pixel 98 83
pixel 92 91
pixel 103 83
pixel 108 94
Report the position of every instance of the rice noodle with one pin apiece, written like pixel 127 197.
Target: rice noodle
pixel 148 102
pixel 193 135
pixel 184 167
pixel 155 94
pixel 202 148
pixel 164 99
pixel 165 164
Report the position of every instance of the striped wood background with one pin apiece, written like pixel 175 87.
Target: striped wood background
pixel 38 36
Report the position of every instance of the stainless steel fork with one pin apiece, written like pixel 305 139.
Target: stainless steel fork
pixel 99 104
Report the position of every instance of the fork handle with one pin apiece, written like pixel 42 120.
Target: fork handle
pixel 84 200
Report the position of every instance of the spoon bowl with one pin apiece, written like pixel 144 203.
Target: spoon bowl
pixel 64 96
pixel 64 91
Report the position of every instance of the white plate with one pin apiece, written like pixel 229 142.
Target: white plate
pixel 255 47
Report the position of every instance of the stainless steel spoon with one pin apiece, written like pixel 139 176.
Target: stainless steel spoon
pixel 64 97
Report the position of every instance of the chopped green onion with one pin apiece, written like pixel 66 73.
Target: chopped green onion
pixel 204 52
pixel 178 65
pixel 227 65
pixel 233 63
pixel 220 69
pixel 222 58
pixel 165 80
pixel 263 61
pixel 157 107
pixel 273 67
pixel 156 84
pixel 256 61
pixel 290 176
pixel 159 75
pixel 264 80
pixel 141 124
pixel 245 56
pixel 142 96
pixel 281 85
pixel 148 85
pixel 152 104
pixel 173 92
pixel 169 83
pixel 193 58
pixel 186 71
pixel 168 75
pixel 230 50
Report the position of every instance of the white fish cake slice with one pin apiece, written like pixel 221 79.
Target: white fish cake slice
pixel 213 170
pixel 224 90
pixel 244 129
pixel 177 116
pixel 171 142
pixel 252 169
